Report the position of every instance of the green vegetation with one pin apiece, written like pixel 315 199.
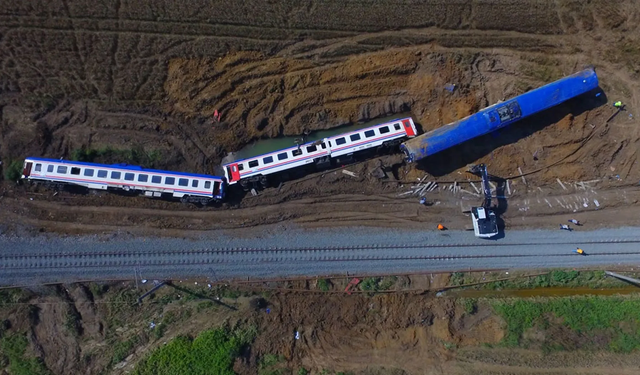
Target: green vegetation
pixel 13 170
pixel 267 362
pixel 122 350
pixel 557 278
pixel 212 352
pixel 303 371
pixel 583 315
pixel 374 284
pixel 323 285
pixel 12 349
pixel 134 155
pixel 12 296
pixel 470 305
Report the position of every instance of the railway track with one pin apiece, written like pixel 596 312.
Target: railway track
pixel 243 255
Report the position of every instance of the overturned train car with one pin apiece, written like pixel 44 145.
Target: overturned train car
pixel 500 115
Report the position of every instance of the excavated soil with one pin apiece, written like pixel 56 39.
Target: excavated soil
pixel 97 329
pixel 145 78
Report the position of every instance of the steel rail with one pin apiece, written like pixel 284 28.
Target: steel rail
pixel 276 250
pixel 94 262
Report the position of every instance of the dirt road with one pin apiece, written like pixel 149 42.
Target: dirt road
pixel 139 82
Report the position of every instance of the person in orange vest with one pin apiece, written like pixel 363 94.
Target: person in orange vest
pixel 441 227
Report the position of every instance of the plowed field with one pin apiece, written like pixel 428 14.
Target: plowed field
pixel 144 78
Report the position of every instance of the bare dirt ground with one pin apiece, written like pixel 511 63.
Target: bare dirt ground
pixel 148 77
pixel 96 329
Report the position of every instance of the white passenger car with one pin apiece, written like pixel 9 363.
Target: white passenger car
pixel 150 182
pixel 320 152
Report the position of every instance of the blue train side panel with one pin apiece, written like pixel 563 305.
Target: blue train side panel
pixel 500 115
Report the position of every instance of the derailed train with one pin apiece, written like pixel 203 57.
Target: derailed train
pixel 321 153
pixel 200 188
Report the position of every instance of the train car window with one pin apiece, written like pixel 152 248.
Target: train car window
pixel 296 152
pixel 341 141
pixel 396 126
pixel 267 160
pixel 282 156
pixel 323 145
pixel 354 137
pixel 129 176
pixel 194 183
pixel 88 172
pixel 384 129
pixel 169 180
pixel 49 168
pixel 62 169
pixel 183 182
pixel 156 179
pixel 75 170
pixel 369 133
pixel 116 175
pixel 253 163
pixel 240 167
pixel 312 148
pixel 38 167
pixel 207 184
pixel 102 174
pixel 143 177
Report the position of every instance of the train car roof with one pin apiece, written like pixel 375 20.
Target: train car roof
pixel 123 166
pixel 229 159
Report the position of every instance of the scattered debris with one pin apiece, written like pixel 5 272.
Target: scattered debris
pixel 522 176
pixel 508 188
pixel 378 173
pixel 595 201
pixel 450 87
pixel 254 192
pixel 349 173
pixel 561 184
pixel 469 192
pixel 535 155
pixel 474 187
pixel 630 280
pixel 297 335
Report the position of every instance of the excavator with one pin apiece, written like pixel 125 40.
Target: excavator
pixel 485 222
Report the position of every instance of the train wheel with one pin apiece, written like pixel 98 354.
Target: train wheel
pixel 245 185
pixel 264 183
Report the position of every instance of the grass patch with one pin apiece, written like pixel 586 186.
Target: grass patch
pixel 556 278
pixel 267 362
pixel 13 170
pixel 323 285
pixel 212 352
pixel 470 305
pixel 374 284
pixel 13 348
pixel 583 315
pixel 122 350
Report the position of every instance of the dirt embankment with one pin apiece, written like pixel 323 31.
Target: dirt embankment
pixel 94 329
pixel 147 79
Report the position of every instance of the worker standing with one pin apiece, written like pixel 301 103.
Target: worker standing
pixel 441 227
pixel 618 104
pixel 565 227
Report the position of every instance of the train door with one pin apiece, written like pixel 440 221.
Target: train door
pixel 233 173
pixel 26 171
pixel 409 127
